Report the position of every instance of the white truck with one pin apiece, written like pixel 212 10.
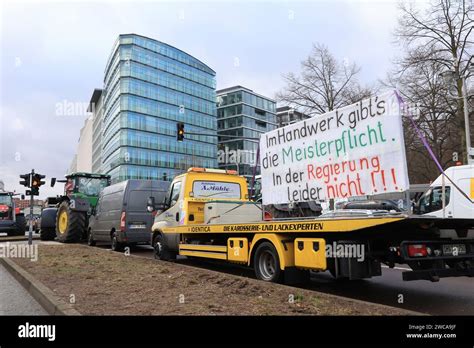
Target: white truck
pixel 455 204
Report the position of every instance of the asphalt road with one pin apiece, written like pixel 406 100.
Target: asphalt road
pixel 14 299
pixel 449 296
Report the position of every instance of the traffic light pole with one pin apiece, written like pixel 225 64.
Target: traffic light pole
pixel 33 181
pixel 30 231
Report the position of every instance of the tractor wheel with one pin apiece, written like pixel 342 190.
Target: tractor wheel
pixel 47 234
pixel 70 225
pixel 20 226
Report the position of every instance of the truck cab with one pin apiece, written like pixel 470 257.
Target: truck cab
pixel 201 196
pixel 457 204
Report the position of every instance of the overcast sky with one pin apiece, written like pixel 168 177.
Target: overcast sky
pixel 54 53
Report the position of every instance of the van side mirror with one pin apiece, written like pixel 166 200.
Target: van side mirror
pixel 150 204
pixel 53 182
pixel 22 197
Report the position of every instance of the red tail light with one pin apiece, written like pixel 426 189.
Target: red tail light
pixel 122 221
pixel 417 250
pixel 267 216
pixel 17 211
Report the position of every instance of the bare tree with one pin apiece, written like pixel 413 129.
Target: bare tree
pixel 440 34
pixel 433 112
pixel 323 85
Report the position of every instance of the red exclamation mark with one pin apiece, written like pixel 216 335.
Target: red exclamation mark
pixel 383 180
pixel 394 178
pixel 373 181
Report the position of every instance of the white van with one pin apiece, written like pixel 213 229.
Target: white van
pixel 456 205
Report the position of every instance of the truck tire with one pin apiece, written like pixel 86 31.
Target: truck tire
pixel 161 250
pixel 70 225
pixel 20 226
pixel 267 263
pixel 47 234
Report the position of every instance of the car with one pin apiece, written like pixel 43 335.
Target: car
pixel 121 217
pixel 372 205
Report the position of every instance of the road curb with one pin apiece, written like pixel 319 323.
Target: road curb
pixel 45 297
pixel 16 238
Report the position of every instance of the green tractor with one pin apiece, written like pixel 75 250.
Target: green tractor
pixel 69 219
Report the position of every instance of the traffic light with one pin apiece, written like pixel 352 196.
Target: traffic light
pixel 180 131
pixel 26 180
pixel 36 182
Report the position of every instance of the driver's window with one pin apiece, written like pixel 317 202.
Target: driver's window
pixel 432 200
pixel 174 196
pixel 437 198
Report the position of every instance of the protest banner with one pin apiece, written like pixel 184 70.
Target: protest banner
pixel 357 150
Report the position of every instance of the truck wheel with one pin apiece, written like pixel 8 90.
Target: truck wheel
pixel 267 263
pixel 47 234
pixel 70 225
pixel 115 244
pixel 90 239
pixel 161 251
pixel 20 225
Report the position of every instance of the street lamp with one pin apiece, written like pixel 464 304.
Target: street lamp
pixel 450 77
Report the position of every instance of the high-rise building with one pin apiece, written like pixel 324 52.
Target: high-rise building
pixel 82 160
pixel 242 113
pixel 95 106
pixel 286 115
pixel 149 87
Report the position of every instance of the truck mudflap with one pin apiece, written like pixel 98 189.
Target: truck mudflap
pixel 432 260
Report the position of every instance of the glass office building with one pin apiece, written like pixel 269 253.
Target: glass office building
pixel 242 113
pixel 286 115
pixel 149 87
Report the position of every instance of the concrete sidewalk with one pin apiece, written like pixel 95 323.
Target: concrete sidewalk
pixel 14 299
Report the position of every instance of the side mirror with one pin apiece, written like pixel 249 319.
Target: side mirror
pixel 416 208
pixel 53 182
pixel 22 197
pixel 150 204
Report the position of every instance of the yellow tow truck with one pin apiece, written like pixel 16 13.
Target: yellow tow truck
pixel 207 214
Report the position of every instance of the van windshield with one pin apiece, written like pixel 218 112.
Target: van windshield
pixel 216 189
pixel 432 200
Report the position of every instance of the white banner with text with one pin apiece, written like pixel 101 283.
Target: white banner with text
pixel 357 150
